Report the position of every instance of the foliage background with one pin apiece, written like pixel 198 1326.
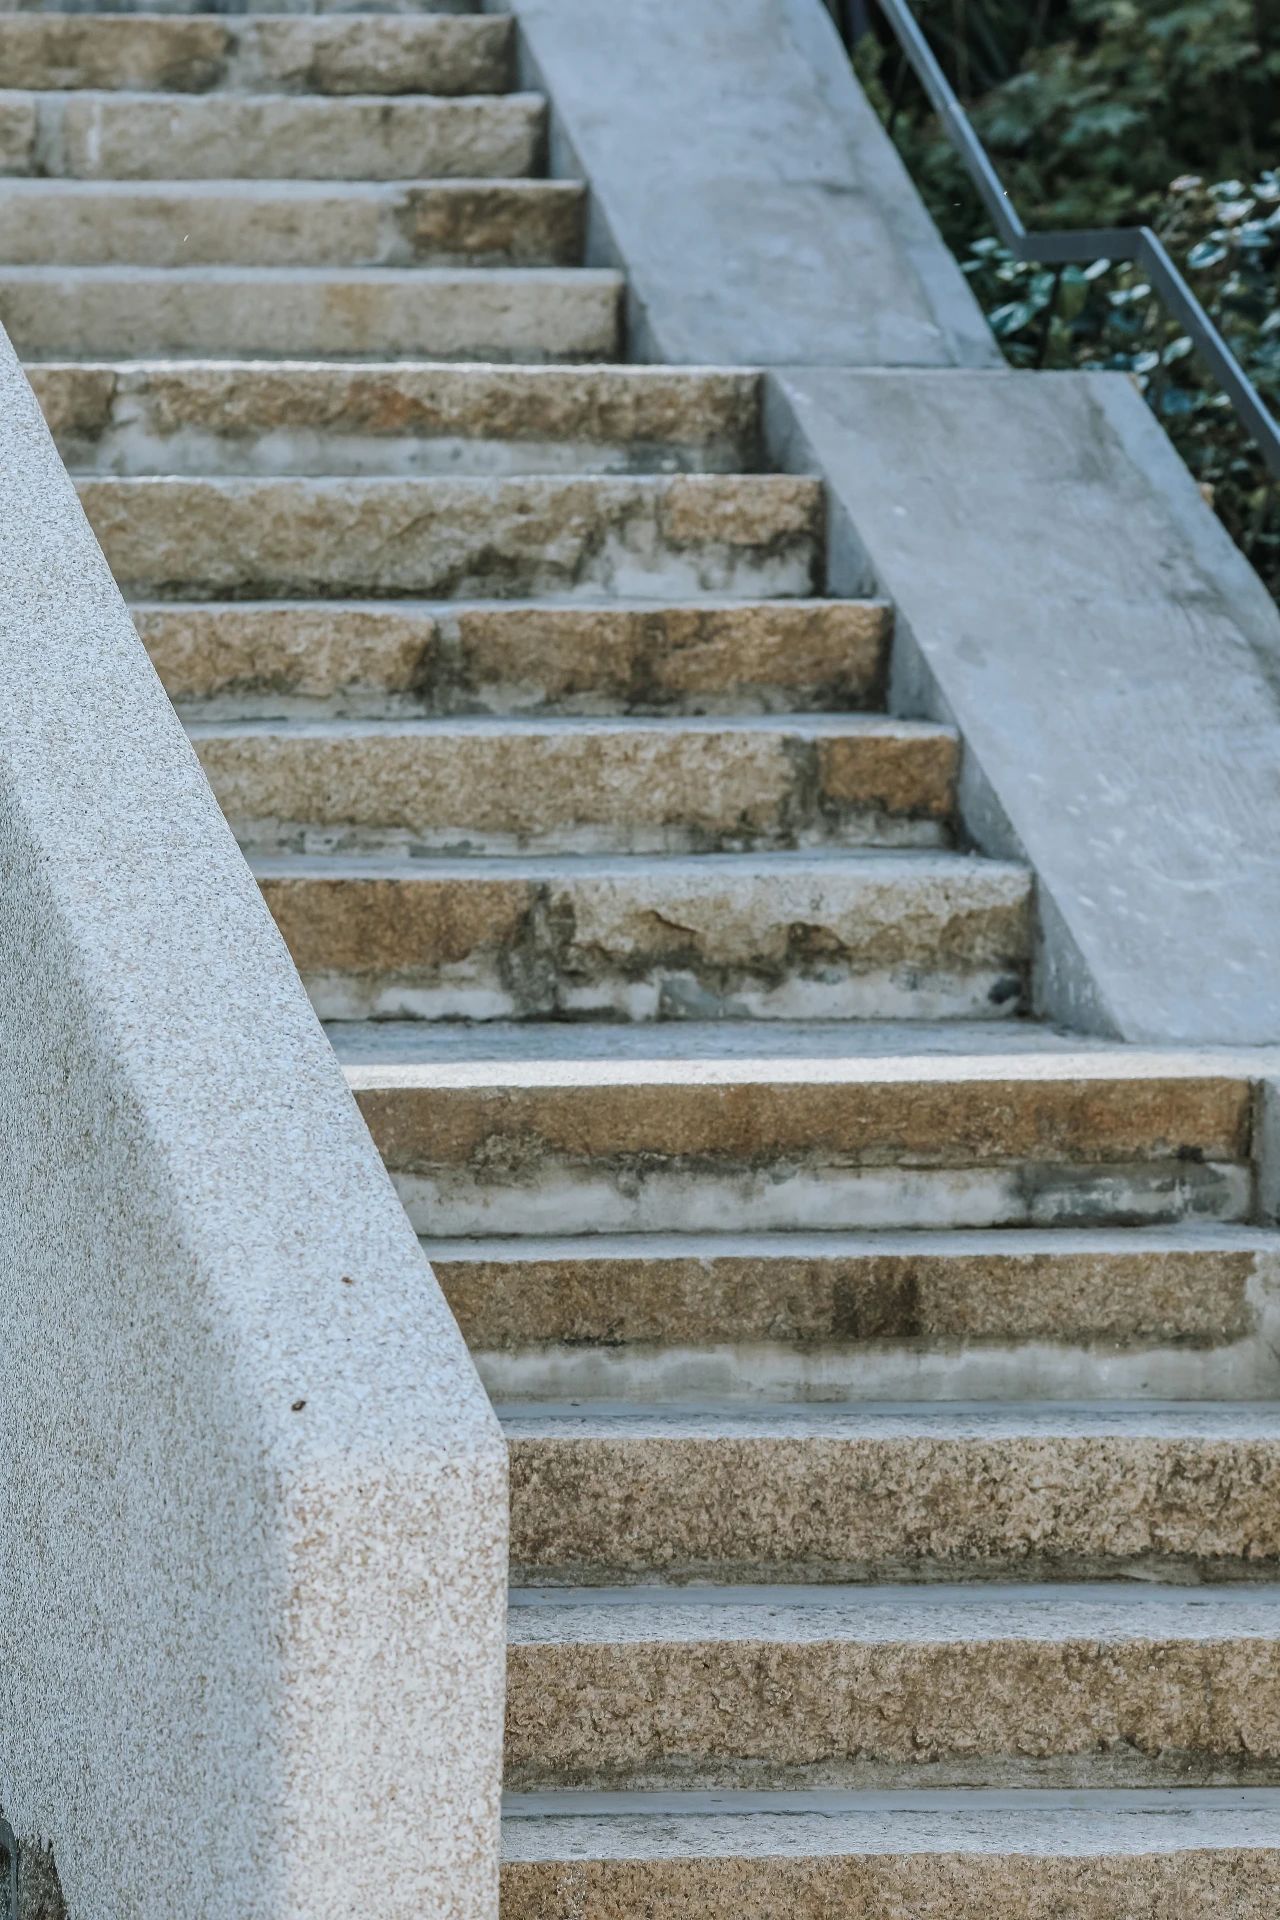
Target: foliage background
pixel 1119 112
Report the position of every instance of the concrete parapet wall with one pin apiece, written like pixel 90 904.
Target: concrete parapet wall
pixel 1065 597
pixel 738 174
pixel 253 1531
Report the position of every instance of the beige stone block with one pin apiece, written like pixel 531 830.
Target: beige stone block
pixel 248 538
pixel 139 136
pixel 177 414
pixel 66 223
pixel 754 1503
pixel 1211 1883
pixel 740 658
pixel 18 130
pixel 455 313
pixel 780 1292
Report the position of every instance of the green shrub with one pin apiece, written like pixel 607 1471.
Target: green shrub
pixel 1110 112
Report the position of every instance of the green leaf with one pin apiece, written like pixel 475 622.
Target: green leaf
pixel 1013 317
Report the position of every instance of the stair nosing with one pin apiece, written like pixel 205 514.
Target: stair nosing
pixel 708 1422
pixel 806 1244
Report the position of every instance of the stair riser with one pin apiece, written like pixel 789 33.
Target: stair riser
pixel 404 54
pixel 207 420
pixel 477 990
pixel 422 804
pixel 642 948
pixel 1226 1884
pixel 665 1157
pixel 538 225
pixel 517 1301
pixel 578 792
pixel 880 1327
pixel 657 539
pixel 598 1510
pixel 883 1715
pixel 576 316
pixel 139 136
pixel 243 662
pixel 586 792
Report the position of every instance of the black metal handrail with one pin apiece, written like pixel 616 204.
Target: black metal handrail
pixel 1139 245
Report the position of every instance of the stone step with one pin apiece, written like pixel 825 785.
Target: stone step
pixel 147 136
pixel 794 1688
pixel 757 535
pixel 780 1127
pixel 317 418
pixel 581 786
pixel 941 1856
pixel 297 223
pixel 1164 1313
pixel 608 1495
pixel 202 53
pixel 446 313
pixel 792 936
pixel 270 659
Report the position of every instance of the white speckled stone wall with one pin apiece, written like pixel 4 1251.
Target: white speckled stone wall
pixel 253 1506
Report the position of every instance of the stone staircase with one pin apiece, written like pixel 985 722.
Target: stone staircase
pixel 887 1377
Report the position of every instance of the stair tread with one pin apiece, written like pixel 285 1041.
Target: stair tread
pixel 513 609
pixel 1233 1421
pixel 588 278
pixel 488 726
pixel 646 1826
pixel 891 1614
pixel 824 863
pixel 251 191
pixel 136 368
pixel 236 659
pixel 721 1051
pixel 249 9
pixel 178 225
pixel 222 99
pixel 938 1244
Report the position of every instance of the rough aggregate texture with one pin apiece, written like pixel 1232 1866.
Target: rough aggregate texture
pixel 854 1120
pixel 657 414
pixel 841 1712
pixel 194 538
pixel 144 136
pixel 808 1294
pixel 1213 1884
pixel 657 937
pixel 591 1507
pixel 483 785
pixel 524 223
pixel 455 313
pixel 388 54
pixel 740 657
